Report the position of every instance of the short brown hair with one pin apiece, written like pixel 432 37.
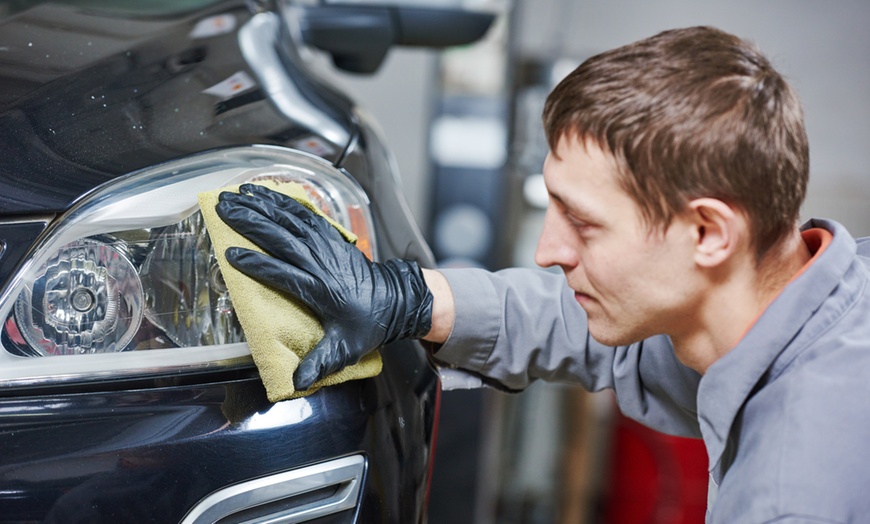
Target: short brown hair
pixel 692 113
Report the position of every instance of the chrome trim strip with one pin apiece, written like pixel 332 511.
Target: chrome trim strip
pixel 30 372
pixel 345 474
pixel 34 219
pixel 257 42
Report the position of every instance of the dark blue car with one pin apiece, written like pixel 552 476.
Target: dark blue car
pixel 127 391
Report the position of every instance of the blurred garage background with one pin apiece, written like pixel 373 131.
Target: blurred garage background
pixel 465 128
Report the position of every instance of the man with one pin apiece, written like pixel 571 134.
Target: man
pixel 677 168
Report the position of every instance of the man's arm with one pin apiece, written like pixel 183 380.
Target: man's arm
pixel 516 326
pixel 443 310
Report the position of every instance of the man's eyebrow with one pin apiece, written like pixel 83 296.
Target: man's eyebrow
pixel 574 207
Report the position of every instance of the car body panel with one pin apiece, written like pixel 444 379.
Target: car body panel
pixel 149 454
pixel 139 94
pixel 15 238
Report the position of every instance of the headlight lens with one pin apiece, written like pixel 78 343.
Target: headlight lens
pixel 86 298
pixel 131 268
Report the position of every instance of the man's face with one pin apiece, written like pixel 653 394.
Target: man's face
pixel 633 282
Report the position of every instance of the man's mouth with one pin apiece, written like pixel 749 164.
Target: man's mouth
pixel 582 298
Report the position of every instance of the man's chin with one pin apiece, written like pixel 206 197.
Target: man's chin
pixel 612 337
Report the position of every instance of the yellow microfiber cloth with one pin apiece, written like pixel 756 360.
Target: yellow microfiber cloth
pixel 278 328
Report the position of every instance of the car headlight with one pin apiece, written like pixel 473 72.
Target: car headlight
pixel 126 282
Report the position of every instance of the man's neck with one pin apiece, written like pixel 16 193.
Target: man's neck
pixel 735 301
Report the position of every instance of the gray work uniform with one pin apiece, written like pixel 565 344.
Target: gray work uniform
pixel 785 415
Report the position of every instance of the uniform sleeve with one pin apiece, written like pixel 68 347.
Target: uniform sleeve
pixel 518 325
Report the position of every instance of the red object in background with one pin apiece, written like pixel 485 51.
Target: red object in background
pixel 654 478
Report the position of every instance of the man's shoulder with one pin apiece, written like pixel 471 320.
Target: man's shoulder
pixel 824 415
pixel 802 446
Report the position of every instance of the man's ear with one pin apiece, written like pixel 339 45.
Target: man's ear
pixel 718 230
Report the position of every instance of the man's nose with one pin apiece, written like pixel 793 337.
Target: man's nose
pixel 547 253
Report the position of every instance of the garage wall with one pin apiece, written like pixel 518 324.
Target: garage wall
pixel 399 96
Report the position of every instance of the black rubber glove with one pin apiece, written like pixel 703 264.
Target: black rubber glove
pixel 362 305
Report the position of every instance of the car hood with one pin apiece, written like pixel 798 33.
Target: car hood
pixel 87 95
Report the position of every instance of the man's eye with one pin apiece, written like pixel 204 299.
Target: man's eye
pixel 576 222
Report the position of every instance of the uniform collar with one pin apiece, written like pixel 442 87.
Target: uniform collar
pixel 730 381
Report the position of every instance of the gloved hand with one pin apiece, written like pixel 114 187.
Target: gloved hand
pixel 362 305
